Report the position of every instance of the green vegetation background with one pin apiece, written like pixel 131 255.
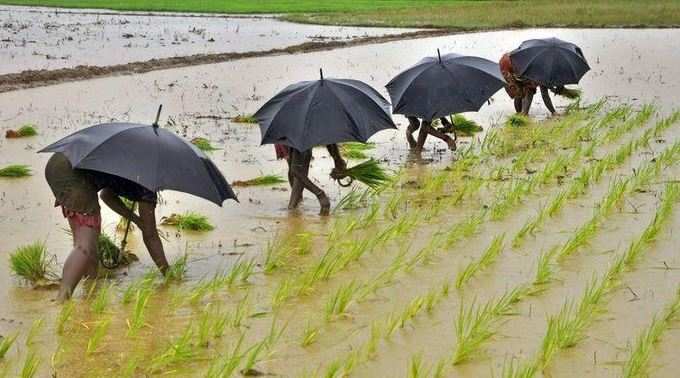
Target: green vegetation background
pixel 456 14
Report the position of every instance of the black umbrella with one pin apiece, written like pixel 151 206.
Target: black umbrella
pixel 550 62
pixel 322 112
pixel 152 157
pixel 440 86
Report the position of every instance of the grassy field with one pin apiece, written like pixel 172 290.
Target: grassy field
pixel 468 15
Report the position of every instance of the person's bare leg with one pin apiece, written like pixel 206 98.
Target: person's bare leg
pixel 526 103
pixel 438 134
pixel 80 261
pixel 413 125
pixel 546 100
pixel 297 163
pixel 518 104
pixel 422 137
pixel 153 243
pixel 447 126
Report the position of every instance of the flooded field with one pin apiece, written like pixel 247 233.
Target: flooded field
pixel 36 39
pixel 467 266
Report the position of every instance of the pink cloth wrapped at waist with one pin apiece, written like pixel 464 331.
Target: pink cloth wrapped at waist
pixel 281 151
pixel 85 220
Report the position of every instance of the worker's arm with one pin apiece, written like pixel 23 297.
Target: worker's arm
pixel 113 201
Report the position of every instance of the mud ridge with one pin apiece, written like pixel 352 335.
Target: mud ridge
pixel 40 78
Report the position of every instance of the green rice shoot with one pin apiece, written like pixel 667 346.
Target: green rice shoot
pixel 244 118
pixel 356 150
pixel 265 180
pixel 572 94
pixel 369 173
pixel 32 263
pixel 15 171
pixel 517 120
pixel 191 221
pixel 464 126
pixel 5 345
pixel 27 130
pixel 203 144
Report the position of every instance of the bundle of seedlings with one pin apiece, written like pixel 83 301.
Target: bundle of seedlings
pixel 260 181
pixel 369 173
pixel 517 120
pixel 244 118
pixel 356 150
pixel 15 170
pixel 203 144
pixel 110 255
pixel 571 94
pixel 188 221
pixel 32 263
pixel 464 126
pixel 27 130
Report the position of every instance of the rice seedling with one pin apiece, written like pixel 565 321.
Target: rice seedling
pixel 369 173
pixel 244 118
pixel 309 335
pixel 188 221
pixel 354 199
pixel 5 345
pixel 33 332
pixel 27 130
pixel 643 347
pixel 464 126
pixel 517 120
pixel 266 180
pixel 239 273
pixel 251 358
pixel 466 228
pixel 108 252
pixel 31 263
pixel 102 300
pixel 488 257
pixel 226 366
pixel 180 350
pixel 544 267
pixel 416 367
pixel 234 319
pixel 513 369
pixel 473 324
pixel 177 270
pixel 31 365
pixel 131 291
pixel 203 144
pixel 15 171
pixel 205 327
pixel 338 302
pixel 139 311
pixel 97 336
pixel 355 150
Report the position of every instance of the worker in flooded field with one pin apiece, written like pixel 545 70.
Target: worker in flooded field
pixel 76 192
pixel 426 129
pixel 522 90
pixel 298 174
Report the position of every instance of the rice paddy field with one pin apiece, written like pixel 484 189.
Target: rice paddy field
pixel 543 247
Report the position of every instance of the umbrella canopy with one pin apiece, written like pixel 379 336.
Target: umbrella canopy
pixel 550 62
pixel 322 112
pixel 447 84
pixel 150 156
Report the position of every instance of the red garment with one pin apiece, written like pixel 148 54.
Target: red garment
pixel 85 220
pixel 517 87
pixel 281 151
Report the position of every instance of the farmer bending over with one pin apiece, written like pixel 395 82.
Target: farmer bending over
pixel 76 192
pixel 298 174
pixel 425 129
pixel 522 90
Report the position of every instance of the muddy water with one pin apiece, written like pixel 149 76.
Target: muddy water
pixel 34 38
pixel 633 66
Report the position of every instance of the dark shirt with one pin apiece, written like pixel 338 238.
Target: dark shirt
pixel 123 187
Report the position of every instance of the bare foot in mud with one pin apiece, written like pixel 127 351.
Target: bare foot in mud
pixel 325 206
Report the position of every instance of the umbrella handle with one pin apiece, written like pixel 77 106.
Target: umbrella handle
pixel 123 242
pixel 345 184
pixel 158 115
